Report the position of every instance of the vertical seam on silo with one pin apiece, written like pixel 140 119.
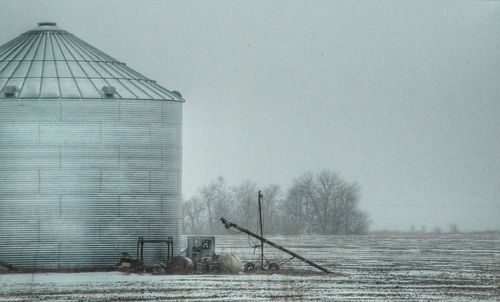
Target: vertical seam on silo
pixel 60 205
pixel 100 135
pixel 39 181
pixel 162 158
pixel 163 112
pixel 150 136
pixel 37 245
pixel 161 204
pixel 59 254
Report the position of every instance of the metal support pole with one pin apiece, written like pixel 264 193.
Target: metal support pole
pixel 261 231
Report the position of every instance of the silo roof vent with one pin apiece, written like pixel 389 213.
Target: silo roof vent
pixel 109 91
pixel 10 90
pixel 177 93
pixel 47 24
pixel 47 27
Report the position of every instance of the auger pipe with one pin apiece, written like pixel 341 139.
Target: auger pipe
pixel 228 225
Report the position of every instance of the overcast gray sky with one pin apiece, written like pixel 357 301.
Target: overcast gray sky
pixel 401 97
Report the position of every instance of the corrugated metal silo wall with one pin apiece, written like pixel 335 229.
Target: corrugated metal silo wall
pixel 80 180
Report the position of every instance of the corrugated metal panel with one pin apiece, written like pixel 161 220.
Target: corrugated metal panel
pixel 81 180
pixel 65 189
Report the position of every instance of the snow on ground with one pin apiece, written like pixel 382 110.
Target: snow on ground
pixel 374 268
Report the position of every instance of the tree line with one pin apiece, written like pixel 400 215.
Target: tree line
pixel 320 203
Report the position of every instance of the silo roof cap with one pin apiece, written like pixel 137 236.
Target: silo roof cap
pixel 47 26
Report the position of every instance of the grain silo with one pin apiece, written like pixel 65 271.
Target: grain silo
pixel 90 155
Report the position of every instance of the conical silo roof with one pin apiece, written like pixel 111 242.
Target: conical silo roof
pixel 48 62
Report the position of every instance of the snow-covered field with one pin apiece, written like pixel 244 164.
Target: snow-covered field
pixel 373 268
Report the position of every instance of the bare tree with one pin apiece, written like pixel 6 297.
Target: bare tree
pixel 436 230
pixel 294 216
pixel 329 205
pixel 412 229
pixel 272 208
pixel 321 204
pixel 194 217
pixel 245 202
pixel 453 228
pixel 217 200
pixel 361 223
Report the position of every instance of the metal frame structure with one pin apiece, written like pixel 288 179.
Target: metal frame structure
pixel 140 247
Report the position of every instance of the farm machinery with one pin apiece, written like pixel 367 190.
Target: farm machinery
pixel 200 256
pixel 271 266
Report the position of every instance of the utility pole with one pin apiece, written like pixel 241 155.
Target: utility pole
pixel 261 231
